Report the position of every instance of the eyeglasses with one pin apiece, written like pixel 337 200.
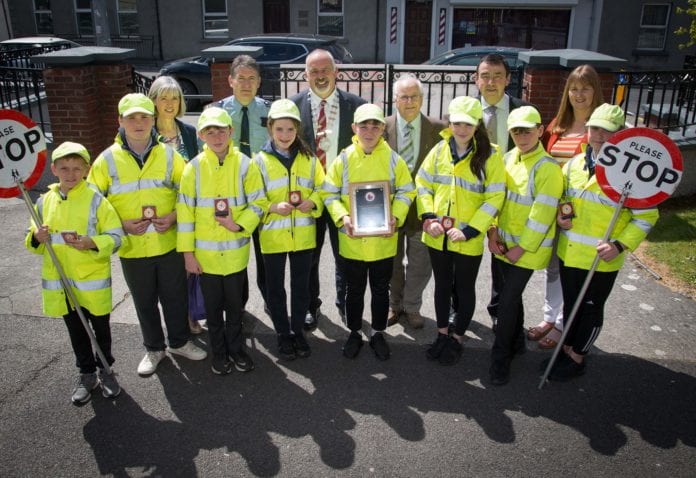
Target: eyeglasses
pixel 407 99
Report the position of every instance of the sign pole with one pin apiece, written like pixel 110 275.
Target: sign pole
pixel 63 279
pixel 569 322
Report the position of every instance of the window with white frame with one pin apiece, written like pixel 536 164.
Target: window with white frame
pixel 83 17
pixel 330 17
pixel 127 17
pixel 215 19
pixel 653 26
pixel 43 16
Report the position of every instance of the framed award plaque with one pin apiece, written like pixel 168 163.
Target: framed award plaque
pixel 149 212
pixel 295 198
pixel 370 208
pixel 566 210
pixel 447 222
pixel 69 236
pixel 221 207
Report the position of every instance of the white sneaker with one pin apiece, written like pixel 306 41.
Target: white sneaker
pixel 189 351
pixel 148 364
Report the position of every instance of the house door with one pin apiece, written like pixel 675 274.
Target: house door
pixel 417 31
pixel 276 16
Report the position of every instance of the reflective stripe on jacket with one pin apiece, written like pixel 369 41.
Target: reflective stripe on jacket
pixel 352 166
pixel 451 190
pixel 128 187
pixel 534 183
pixel 593 210
pixel 297 230
pixel 238 180
pixel 86 212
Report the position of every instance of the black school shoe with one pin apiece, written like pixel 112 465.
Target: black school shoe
pixel 352 347
pixel 242 361
pixel 286 347
pixel 301 346
pixel 221 366
pixel 567 370
pixel 310 321
pixel 436 348
pixel 451 353
pixel 499 373
pixel 379 345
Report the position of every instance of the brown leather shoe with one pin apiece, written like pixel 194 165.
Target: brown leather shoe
pixel 415 320
pixel 392 318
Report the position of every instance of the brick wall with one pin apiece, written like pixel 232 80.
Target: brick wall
pixel 219 83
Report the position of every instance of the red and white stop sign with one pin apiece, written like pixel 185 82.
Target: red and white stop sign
pixel 22 152
pixel 647 159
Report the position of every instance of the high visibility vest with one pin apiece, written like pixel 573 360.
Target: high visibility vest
pixel 353 165
pixel 534 183
pixel 128 187
pixel 86 212
pixel 593 210
pixel 238 180
pixel 451 190
pixel 296 231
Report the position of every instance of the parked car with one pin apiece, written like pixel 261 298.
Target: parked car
pixel 15 52
pixel 471 55
pixel 193 73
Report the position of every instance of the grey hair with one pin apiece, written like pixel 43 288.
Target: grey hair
pixel 166 84
pixel 403 79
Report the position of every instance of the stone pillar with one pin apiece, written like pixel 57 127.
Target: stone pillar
pixel 547 71
pixel 221 59
pixel 83 87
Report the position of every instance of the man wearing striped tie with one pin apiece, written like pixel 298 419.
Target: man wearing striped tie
pixel 411 134
pixel 327 118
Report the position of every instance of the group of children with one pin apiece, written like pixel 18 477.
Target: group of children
pixel 464 191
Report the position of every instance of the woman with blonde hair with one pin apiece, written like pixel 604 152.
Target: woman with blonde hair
pixel 565 137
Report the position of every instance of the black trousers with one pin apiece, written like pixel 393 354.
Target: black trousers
pixel 356 274
pixel 322 223
pixel 260 272
pixel 159 280
pixel 509 333
pixel 300 263
pixel 86 359
pixel 590 316
pixel 458 272
pixel 496 281
pixel 223 311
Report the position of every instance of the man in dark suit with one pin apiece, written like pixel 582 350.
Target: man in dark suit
pixel 411 134
pixel 327 118
pixel 492 76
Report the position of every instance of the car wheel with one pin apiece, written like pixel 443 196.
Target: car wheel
pixel 189 89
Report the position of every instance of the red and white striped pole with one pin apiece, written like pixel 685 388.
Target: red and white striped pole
pixel 392 29
pixel 441 26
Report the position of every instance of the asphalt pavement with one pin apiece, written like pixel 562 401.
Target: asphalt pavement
pixel 632 414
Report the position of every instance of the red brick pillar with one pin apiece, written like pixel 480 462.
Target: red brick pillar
pixel 219 82
pixel 543 88
pixel 83 88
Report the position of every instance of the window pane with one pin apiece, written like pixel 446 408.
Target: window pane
pixel 215 6
pixel 330 6
pixel 44 23
pixel 655 15
pixel 216 28
pixel 652 38
pixel 42 4
pixel 127 5
pixel 331 25
pixel 128 23
pixel 84 24
pixel 86 4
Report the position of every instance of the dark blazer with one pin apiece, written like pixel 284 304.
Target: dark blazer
pixel 514 104
pixel 430 136
pixel 188 135
pixel 347 104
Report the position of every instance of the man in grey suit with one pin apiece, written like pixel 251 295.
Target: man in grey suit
pixel 492 76
pixel 327 116
pixel 411 134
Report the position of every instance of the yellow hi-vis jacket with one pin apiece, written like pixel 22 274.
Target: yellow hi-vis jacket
pixel 86 212
pixel 451 190
pixel 219 250
pixel 128 187
pixel 534 184
pixel 296 231
pixel 354 165
pixel 593 210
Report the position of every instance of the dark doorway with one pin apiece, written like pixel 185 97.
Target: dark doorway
pixel 417 31
pixel 276 16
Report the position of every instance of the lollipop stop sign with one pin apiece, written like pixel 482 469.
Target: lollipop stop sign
pixel 22 152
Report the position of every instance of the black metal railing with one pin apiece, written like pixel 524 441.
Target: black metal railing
pixel 664 100
pixel 22 89
pixel 142 83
